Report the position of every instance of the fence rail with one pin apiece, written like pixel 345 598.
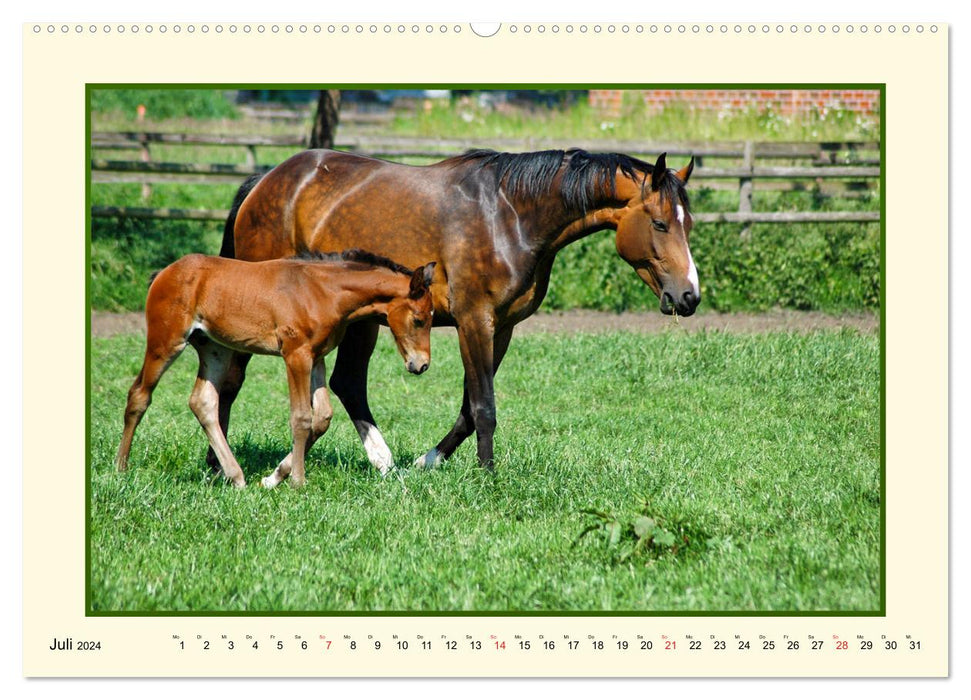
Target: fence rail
pixel 237 170
pixel 788 217
pixel 831 168
pixel 824 151
pixel 100 211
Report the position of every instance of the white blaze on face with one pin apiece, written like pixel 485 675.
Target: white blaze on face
pixel 693 275
pixel 692 270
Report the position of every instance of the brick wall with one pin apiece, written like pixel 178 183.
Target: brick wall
pixel 784 102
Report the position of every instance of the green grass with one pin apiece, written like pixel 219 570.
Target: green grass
pixel 212 110
pixel 163 104
pixel 466 119
pixel 759 453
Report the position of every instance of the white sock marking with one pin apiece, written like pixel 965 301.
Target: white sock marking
pixel 377 449
pixel 430 459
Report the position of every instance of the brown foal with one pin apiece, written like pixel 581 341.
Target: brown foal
pixel 297 308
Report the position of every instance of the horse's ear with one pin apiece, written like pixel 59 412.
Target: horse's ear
pixel 429 273
pixel 685 172
pixel 421 280
pixel 660 170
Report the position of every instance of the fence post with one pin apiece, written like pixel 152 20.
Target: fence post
pixel 146 158
pixel 251 155
pixel 745 186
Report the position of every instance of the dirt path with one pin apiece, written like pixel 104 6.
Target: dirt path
pixel 105 324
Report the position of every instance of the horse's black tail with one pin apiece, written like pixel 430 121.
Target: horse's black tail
pixel 229 245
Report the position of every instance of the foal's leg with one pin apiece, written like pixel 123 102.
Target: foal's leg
pixel 228 391
pixel 465 423
pixel 214 360
pixel 159 355
pixel 320 421
pixel 299 365
pixel 349 382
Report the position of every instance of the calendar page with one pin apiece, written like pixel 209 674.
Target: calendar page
pixel 536 350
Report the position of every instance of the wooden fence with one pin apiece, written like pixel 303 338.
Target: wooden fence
pixel 844 169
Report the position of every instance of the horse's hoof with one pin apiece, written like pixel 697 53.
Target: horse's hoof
pixel 429 460
pixel 297 483
pixel 267 483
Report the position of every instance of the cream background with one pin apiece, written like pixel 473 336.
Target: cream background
pixel 56 68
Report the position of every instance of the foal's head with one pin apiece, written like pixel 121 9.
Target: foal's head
pixel 653 238
pixel 410 320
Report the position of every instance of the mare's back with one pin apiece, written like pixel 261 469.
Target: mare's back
pixel 327 201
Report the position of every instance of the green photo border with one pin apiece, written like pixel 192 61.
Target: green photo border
pixel 880 612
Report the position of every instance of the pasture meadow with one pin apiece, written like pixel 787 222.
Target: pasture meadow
pixel 756 459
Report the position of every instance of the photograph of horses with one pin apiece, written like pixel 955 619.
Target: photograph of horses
pixel 647 324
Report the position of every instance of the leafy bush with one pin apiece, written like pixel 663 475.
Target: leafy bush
pixel 125 252
pixel 828 267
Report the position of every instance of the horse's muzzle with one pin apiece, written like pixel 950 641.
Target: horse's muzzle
pixel 417 366
pixel 684 305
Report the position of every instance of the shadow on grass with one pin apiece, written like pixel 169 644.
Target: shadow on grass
pixel 259 457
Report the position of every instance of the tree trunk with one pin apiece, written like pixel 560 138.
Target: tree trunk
pixel 325 121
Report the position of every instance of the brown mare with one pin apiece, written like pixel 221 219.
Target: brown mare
pixel 296 308
pixel 493 221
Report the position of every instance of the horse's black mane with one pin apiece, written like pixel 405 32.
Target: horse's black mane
pixel 354 255
pixel 531 174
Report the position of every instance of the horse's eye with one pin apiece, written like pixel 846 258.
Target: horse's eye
pixel 660 225
pixel 419 322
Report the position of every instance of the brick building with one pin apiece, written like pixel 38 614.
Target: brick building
pixel 786 102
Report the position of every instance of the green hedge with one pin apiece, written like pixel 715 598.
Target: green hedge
pixel 125 252
pixel 828 267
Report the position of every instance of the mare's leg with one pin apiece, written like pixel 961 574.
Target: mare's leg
pixel 160 353
pixel 214 361
pixel 349 382
pixel 319 422
pixel 476 343
pixel 465 424
pixel 228 391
